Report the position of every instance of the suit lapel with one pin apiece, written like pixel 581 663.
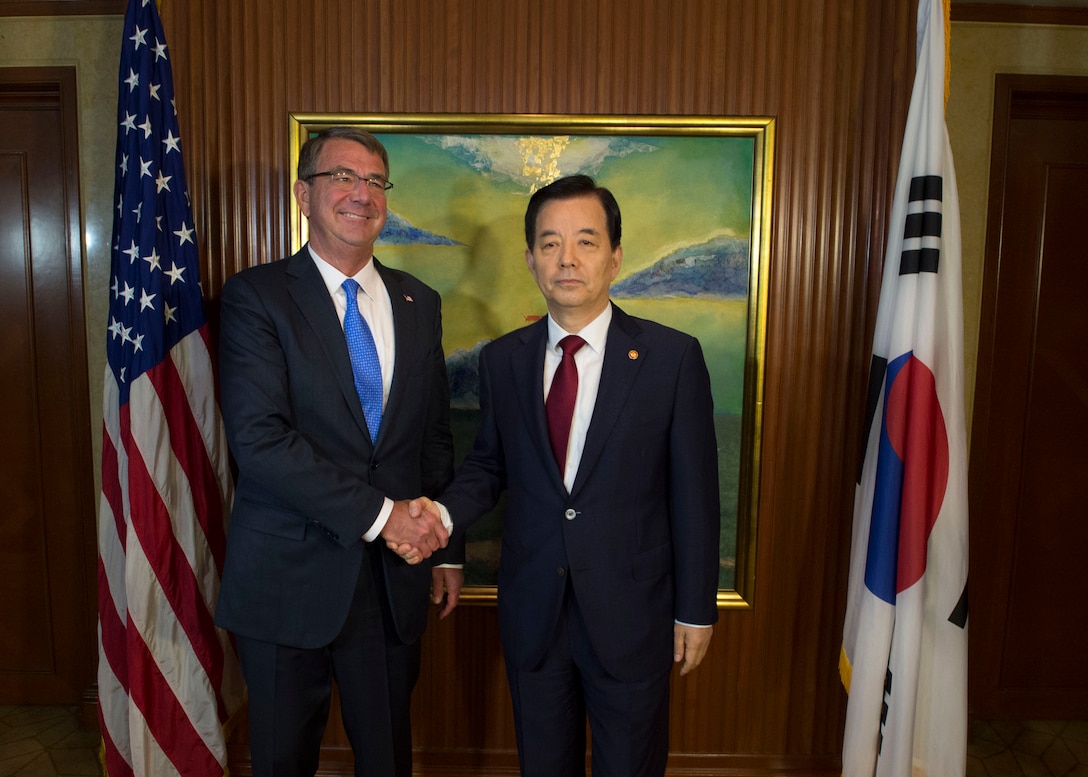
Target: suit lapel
pixel 405 325
pixel 312 297
pixel 624 355
pixel 527 367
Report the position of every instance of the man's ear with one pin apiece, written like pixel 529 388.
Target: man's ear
pixel 302 197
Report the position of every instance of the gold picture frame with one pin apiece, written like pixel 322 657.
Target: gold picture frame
pixel 695 192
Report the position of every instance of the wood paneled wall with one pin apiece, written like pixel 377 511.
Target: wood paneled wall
pixel 837 75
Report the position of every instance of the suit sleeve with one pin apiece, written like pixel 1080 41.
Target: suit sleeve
pixel 293 482
pixel 437 455
pixel 481 478
pixel 694 496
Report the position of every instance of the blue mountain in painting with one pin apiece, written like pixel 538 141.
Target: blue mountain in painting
pixel 399 231
pixel 717 268
pixel 463 368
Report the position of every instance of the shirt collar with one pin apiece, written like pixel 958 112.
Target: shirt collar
pixel 368 278
pixel 595 333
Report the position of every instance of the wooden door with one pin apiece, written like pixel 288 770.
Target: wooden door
pixel 47 536
pixel 1029 447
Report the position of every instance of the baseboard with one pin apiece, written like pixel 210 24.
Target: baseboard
pixel 495 763
pixel 88 708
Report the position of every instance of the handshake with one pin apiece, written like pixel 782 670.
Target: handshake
pixel 416 528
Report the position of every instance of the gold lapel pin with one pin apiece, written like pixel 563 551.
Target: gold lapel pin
pixel 632 354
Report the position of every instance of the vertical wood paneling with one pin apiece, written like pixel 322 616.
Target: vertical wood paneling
pixel 837 77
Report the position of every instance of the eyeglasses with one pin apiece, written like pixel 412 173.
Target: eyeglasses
pixel 346 181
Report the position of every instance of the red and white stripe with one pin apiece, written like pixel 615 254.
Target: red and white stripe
pixel 168 680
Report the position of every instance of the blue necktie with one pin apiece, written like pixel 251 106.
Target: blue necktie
pixel 364 360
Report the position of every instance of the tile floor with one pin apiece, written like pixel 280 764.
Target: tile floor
pixel 1004 748
pixel 50 742
pixel 46 742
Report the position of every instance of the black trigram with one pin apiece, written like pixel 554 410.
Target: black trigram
pixel 884 708
pixel 923 221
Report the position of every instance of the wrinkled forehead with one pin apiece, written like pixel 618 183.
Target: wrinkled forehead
pixel 351 155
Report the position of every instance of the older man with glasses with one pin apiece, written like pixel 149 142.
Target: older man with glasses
pixel 336 407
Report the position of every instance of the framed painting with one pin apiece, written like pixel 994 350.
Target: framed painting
pixel 695 194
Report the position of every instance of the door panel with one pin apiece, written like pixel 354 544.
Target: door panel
pixel 47 545
pixel 1029 518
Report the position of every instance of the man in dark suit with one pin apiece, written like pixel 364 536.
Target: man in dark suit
pixel 309 589
pixel 609 562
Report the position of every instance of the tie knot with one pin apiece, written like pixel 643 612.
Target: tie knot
pixel 351 288
pixel 570 344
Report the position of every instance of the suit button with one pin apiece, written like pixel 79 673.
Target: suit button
pixel 570 514
pixel 560 571
pixel 373 465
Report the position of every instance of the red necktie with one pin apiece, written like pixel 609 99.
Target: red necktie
pixel 561 396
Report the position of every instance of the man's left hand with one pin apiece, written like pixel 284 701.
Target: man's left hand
pixel 689 645
pixel 446 582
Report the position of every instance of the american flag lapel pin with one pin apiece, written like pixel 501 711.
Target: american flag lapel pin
pixel 408 298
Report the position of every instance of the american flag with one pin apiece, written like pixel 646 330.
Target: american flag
pixel 168 680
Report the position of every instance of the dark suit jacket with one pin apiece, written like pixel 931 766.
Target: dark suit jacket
pixel 638 534
pixel 310 483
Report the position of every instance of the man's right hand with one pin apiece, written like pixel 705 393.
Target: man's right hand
pixel 415 524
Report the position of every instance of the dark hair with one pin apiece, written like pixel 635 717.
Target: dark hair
pixel 568 188
pixel 311 149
